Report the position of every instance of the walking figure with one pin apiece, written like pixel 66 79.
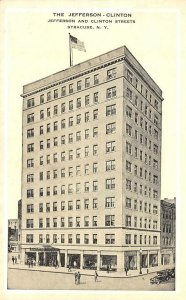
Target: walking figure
pixel 126 270
pixel 78 277
pixel 13 259
pixel 107 268
pixel 96 276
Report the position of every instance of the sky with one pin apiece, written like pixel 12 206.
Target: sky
pixel 35 48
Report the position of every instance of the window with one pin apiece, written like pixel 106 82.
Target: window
pixel 155 164
pixel 86 133
pixel 29 223
pixel 86 221
pixel 79 85
pixel 135 222
pixel 30 147
pixel 30 178
pixel 87 100
pixel 128 166
pixel 70 238
pixel 62 222
pixel 86 238
pixel 95 150
pixel 78 187
pixel 47 238
pixel 95 98
pixel 78 119
pixel 129 76
pixel 111 73
pixel 86 203
pixel 62 139
pixel 110 202
pixel 70 88
pixel 70 123
pixel 128 184
pixel 48 96
pixel 62 238
pixel 78 170
pixel 95 131
pixel 135 204
pixel 128 130
pixel 55 190
pixel 156 104
pixel 135 170
pixel 29 238
pixel 62 107
pixel 155 240
pixel 30 163
pixel 30 132
pixel 70 138
pixel 110 146
pixel 95 239
pixel 41 114
pixel 40 238
pixel 30 208
pixel 128 111
pixel 54 206
pixel 70 188
pixel 111 92
pixel 95 114
pixel 71 105
pixel 87 82
pixel 48 143
pixel 78 206
pixel 95 203
pixel 70 222
pixel 70 171
pixel 55 94
pixel 63 91
pixel 42 99
pixel 128 203
pixel 110 184
pixel 77 238
pixel 48 112
pixel 128 221
pixel 30 102
pixel 111 110
pixel 95 185
pixel 110 165
pixel 87 116
pixel 78 152
pixel 40 223
pixel 30 193
pixel 109 238
pixel 110 128
pixel 95 221
pixel 95 167
pixel 30 118
pixel 47 207
pixel 129 94
pixel 86 151
pixel 96 79
pixel 54 238
pixel 155 224
pixel 155 209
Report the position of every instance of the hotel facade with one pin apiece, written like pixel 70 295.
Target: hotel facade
pixel 91 167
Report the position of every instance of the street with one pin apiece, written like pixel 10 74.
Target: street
pixel 30 279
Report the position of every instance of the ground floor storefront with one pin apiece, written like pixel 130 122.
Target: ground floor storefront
pixel 92 259
pixel 167 256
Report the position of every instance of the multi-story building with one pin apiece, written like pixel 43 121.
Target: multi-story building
pixel 13 229
pixel 168 230
pixel 92 164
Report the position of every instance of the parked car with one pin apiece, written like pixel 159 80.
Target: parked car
pixel 164 273
pixel 171 272
pixel 158 279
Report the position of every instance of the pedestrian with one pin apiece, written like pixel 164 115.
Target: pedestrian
pixel 96 276
pixel 126 270
pixel 69 268
pixel 78 277
pixel 147 271
pixel 107 268
pixel 29 263
pixel 13 259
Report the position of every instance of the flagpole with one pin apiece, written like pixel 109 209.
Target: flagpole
pixel 70 50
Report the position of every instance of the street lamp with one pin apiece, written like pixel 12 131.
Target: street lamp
pixel 140 261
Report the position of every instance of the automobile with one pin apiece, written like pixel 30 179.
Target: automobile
pixel 158 279
pixel 171 272
pixel 165 273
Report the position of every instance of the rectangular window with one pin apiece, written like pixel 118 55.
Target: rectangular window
pixel 111 92
pixel 110 202
pixel 77 238
pixel 111 73
pixel 79 83
pixel 96 79
pixel 87 82
pixel 110 165
pixel 110 220
pixel 110 184
pixel 128 129
pixel 29 238
pixel 128 111
pixel 110 146
pixel 128 239
pixel 30 147
pixel 110 128
pixel 128 221
pixel 42 99
pixel 111 110
pixel 87 100
pixel 95 98
pixel 128 203
pixel 30 102
pixel 30 132
pixel 109 238
pixel 129 76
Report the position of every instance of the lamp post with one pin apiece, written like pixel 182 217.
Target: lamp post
pixel 140 261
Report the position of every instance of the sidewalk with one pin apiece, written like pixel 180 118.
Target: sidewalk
pixel 118 274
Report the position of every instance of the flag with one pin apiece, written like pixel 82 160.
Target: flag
pixel 75 43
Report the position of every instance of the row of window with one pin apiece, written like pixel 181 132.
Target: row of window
pixel 110 93
pixel 63 91
pixel 140 136
pixel 142 89
pixel 77 222
pixel 109 185
pixel 139 171
pixel 142 190
pixel 85 204
pixel 109 239
pixel 87 169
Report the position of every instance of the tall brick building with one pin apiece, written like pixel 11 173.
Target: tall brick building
pixel 91 173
